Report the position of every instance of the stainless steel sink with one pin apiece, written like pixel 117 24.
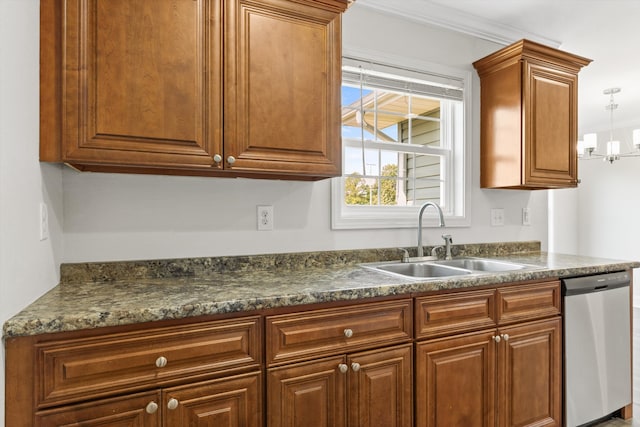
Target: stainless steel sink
pixel 480 264
pixel 421 269
pixel 434 269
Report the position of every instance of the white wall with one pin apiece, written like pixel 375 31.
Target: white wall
pixel 608 206
pixel 110 217
pixel 28 267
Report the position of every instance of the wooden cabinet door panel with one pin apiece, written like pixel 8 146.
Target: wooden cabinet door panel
pixel 282 110
pixel 142 82
pixel 307 395
pixel 529 375
pixel 551 100
pixel 76 369
pixel 529 302
pixel 455 381
pixel 228 402
pixel 381 388
pixel 126 411
pixel 319 333
pixel 453 313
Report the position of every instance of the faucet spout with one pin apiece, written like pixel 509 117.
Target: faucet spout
pixel 422 209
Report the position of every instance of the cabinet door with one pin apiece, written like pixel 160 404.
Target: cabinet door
pixel 307 395
pixel 381 388
pixel 142 83
pixel 551 98
pixel 229 402
pixel 529 374
pixel 455 381
pixel 282 87
pixel 140 410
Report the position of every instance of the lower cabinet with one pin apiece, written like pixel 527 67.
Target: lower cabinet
pixel 509 376
pixel 227 402
pixel 366 389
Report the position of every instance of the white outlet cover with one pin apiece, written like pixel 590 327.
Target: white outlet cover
pixel 497 217
pixel 264 218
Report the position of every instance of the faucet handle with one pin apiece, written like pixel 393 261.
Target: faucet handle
pixel 405 255
pixel 447 238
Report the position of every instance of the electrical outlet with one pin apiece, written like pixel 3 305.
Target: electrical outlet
pixel 526 216
pixel 497 217
pixel 265 218
pixel 44 221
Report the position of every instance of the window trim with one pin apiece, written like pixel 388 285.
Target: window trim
pixel 363 217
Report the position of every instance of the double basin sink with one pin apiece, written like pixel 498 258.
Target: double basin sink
pixel 438 269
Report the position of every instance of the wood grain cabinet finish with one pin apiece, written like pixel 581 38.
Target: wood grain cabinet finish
pixel 228 402
pixel 454 313
pixel 504 376
pixel 317 333
pixel 124 411
pixel 192 87
pixel 123 376
pixel 368 389
pixel 529 117
pixel 525 302
pixel 74 369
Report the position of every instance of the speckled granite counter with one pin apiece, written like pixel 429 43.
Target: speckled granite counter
pixel 109 294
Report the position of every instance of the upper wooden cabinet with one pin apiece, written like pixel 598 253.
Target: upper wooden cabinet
pixel 192 87
pixel 529 117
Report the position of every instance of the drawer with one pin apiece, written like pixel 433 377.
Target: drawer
pixel 84 368
pixel 440 315
pixel 531 301
pixel 325 332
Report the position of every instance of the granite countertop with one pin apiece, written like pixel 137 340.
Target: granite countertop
pixel 98 295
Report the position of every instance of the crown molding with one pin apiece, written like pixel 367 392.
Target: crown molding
pixel 424 11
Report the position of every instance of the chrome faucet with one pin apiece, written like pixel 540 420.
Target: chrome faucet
pixel 441 216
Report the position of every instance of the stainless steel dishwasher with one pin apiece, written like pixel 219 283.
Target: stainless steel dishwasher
pixel 597 345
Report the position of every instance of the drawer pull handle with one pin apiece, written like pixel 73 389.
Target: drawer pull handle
pixel 505 337
pixel 161 362
pixel 172 404
pixel 343 368
pixel 348 333
pixel 231 160
pixel 355 366
pixel 151 408
pixel 496 338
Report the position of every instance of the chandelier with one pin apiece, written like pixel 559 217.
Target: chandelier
pixel 588 146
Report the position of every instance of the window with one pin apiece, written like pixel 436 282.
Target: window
pixel 403 143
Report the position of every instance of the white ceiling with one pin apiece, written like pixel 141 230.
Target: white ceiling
pixel 606 31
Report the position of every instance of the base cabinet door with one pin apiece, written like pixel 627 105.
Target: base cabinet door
pixel 529 375
pixel 140 410
pixel 308 394
pixel 226 402
pixel 229 402
pixel 455 381
pixel 380 385
pixel 368 389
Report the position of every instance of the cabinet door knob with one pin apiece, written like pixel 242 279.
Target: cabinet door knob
pixel 172 403
pixel 231 160
pixel 505 337
pixel 217 158
pixel 348 333
pixel 496 338
pixel 343 368
pixel 355 366
pixel 161 362
pixel 151 408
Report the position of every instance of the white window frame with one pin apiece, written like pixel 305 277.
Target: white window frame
pixel 457 184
